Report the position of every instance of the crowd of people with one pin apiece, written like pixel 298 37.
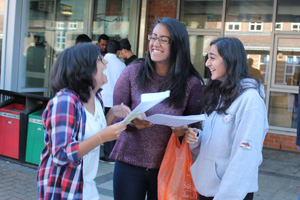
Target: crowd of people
pixel 97 85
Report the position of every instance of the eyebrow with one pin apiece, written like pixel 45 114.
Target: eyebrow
pixel 212 54
pixel 161 35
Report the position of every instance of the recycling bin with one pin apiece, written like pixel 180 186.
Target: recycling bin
pixel 9 131
pixel 35 137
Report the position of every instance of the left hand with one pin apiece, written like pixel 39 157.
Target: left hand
pixel 121 110
pixel 180 131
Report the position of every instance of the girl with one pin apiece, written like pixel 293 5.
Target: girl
pixel 140 149
pixel 74 125
pixel 229 148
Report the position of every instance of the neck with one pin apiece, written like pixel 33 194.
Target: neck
pixel 90 104
pixel 129 54
pixel 161 68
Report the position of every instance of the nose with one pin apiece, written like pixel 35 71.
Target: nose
pixel 157 42
pixel 207 63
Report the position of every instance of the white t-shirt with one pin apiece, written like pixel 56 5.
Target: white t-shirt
pixel 113 70
pixel 94 124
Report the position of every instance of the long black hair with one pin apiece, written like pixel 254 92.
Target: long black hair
pixel 219 95
pixel 74 69
pixel 181 67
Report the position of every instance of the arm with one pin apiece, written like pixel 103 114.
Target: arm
pixel 195 102
pixel 61 121
pixel 122 94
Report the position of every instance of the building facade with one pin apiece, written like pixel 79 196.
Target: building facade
pixel 36 31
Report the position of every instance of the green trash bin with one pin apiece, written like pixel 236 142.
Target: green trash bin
pixel 35 137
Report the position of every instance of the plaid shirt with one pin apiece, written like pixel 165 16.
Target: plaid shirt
pixel 60 171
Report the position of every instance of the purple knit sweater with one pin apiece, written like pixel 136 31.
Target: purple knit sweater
pixel 146 147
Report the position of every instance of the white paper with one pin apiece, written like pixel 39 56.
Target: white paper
pixel 148 100
pixel 175 121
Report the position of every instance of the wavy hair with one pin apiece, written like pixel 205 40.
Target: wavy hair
pixel 74 69
pixel 220 95
pixel 181 67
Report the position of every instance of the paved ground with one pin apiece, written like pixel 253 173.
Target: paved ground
pixel 279 178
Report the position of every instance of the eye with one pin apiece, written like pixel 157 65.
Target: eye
pixel 165 39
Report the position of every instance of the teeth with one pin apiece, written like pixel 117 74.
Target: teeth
pixel 156 51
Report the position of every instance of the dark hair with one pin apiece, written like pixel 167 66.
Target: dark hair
pixel 125 44
pixel 113 46
pixel 74 69
pixel 103 37
pixel 220 95
pixel 181 67
pixel 82 38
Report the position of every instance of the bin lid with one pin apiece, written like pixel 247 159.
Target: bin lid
pixel 37 114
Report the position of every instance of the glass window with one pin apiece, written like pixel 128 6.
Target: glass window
pixel 199 45
pixel 233 26
pixel 283 109
pixel 288 14
pixel 201 14
pixel 255 19
pixel 111 18
pixel 51 26
pixel 254 26
pixel 2 9
pixel 287 61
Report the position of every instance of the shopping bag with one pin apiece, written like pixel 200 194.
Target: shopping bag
pixel 174 178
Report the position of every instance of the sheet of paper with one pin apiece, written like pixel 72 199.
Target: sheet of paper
pixel 175 121
pixel 148 100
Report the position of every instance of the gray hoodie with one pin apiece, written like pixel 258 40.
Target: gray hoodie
pixel 229 149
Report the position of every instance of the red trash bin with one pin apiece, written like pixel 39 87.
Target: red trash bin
pixel 9 131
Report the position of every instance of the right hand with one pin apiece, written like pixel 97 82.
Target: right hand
pixel 139 123
pixel 113 131
pixel 191 136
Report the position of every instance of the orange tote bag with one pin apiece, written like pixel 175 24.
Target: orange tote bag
pixel 174 178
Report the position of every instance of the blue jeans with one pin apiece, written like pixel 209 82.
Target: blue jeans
pixel 134 183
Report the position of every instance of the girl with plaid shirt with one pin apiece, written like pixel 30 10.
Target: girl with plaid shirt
pixel 75 125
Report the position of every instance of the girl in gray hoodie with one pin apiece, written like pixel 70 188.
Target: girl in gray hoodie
pixel 229 149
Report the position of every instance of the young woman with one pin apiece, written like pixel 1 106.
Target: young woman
pixel 75 125
pixel 140 148
pixel 229 148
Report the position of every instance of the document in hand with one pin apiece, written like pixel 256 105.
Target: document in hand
pixel 176 121
pixel 148 100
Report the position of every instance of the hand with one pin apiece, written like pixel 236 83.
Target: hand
pixel 139 123
pixel 191 136
pixel 180 131
pixel 113 132
pixel 121 110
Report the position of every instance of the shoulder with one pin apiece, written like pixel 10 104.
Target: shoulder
pixel 133 68
pixel 66 96
pixel 194 81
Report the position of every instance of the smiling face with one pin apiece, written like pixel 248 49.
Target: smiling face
pixel 100 78
pixel 215 64
pixel 159 50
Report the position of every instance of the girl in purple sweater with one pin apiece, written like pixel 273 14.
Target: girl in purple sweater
pixel 140 148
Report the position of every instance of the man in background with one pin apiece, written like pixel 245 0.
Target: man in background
pixel 102 43
pixel 114 68
pixel 126 52
pixel 82 38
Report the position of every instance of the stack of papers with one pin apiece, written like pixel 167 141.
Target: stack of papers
pixel 148 100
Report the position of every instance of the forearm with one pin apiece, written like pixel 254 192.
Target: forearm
pixel 89 144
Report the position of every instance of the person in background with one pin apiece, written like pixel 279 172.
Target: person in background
pixel 126 52
pixel 75 125
pixel 114 69
pixel 229 149
pixel 140 148
pixel 254 72
pixel 82 38
pixel 102 43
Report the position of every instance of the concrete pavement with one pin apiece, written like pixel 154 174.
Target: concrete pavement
pixel 279 178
